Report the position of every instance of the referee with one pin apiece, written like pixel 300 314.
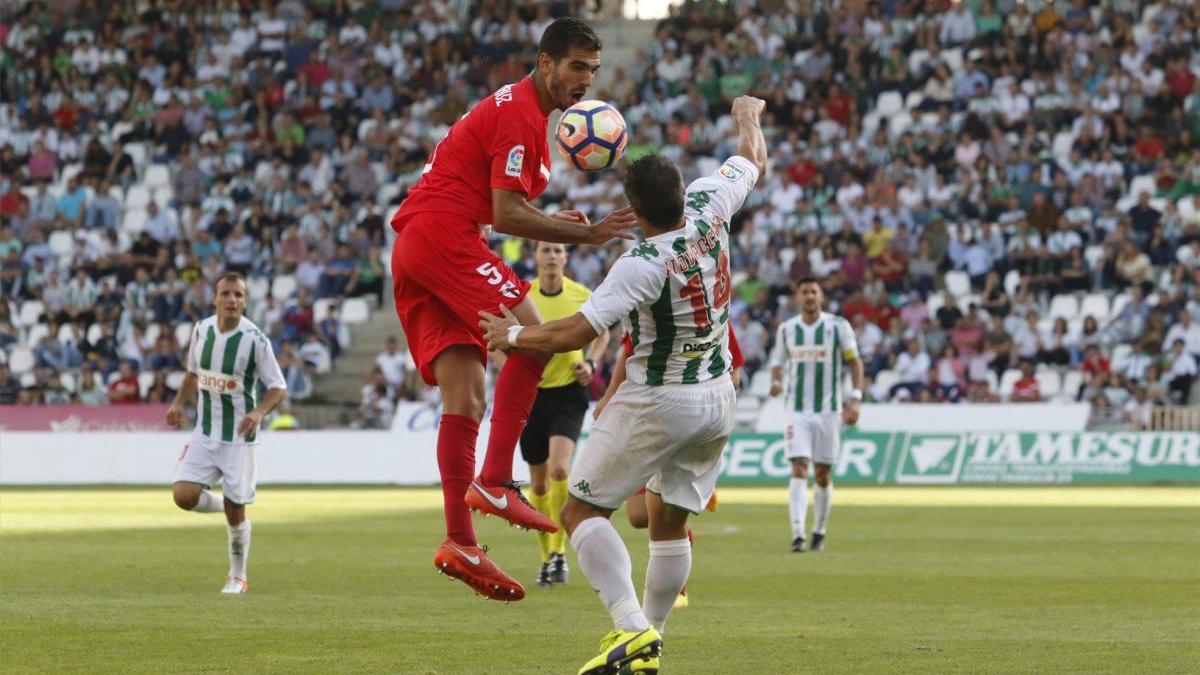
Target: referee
pixel 562 401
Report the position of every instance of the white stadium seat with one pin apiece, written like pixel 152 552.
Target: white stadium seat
pixel 321 309
pixel 355 310
pixel 889 103
pixel 885 380
pixel 1049 383
pixel 36 332
pixel 20 359
pixel 1064 306
pixel 934 302
pixel 94 332
pixel 62 244
pixel 67 379
pixel 138 197
pixel 1071 383
pixel 145 381
pixel 28 380
pixel 175 379
pixel 134 221
pixel 163 196
pixel 1118 303
pixel 958 283
pixel 1096 305
pixel 760 384
pixel 157 175
pixel 183 333
pixel 153 331
pixel 1120 356
pixel 1007 380
pixel 283 287
pixel 31 312
pixel 258 287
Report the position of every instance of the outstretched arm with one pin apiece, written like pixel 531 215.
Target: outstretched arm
pixel 747 115
pixel 515 216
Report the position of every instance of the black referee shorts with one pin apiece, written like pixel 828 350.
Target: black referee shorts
pixel 557 411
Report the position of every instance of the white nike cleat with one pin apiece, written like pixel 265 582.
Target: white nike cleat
pixel 235 586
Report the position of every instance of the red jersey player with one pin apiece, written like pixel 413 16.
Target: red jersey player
pixel 489 166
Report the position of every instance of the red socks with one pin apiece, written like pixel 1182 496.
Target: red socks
pixel 516 388
pixel 456 463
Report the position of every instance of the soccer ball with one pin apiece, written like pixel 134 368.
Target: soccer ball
pixel 591 134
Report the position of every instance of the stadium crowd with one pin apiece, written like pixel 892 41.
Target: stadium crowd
pixel 1003 197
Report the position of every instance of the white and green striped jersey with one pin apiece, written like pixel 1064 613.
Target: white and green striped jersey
pixel 228 367
pixel 813 358
pixel 671 291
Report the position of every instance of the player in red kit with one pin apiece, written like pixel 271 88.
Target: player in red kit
pixel 486 170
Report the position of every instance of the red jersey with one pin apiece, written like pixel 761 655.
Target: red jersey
pixel 499 144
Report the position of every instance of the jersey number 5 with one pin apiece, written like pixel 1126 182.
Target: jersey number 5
pixel 694 293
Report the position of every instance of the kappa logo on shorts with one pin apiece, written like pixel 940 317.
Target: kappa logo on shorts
pixel 516 158
pixel 583 487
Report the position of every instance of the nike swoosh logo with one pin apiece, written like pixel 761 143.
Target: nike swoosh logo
pixel 501 503
pixel 473 559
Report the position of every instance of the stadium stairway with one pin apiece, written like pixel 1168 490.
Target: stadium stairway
pixel 622 39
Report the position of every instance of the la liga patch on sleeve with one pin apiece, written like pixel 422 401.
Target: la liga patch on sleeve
pixel 729 171
pixel 516 157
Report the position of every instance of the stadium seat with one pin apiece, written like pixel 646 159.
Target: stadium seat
pixel 321 309
pixel 1093 255
pixel 1049 383
pixel 163 196
pixel 65 332
pixel 1064 306
pixel 112 377
pixel 137 152
pixel 27 380
pixel 31 312
pixel 257 288
pixel 145 381
pixel 67 378
pixel 1120 356
pixel 175 379
pixel 1071 383
pixel 138 197
pixel 885 380
pixel 365 127
pixel 1062 144
pixel 120 129
pixel 898 124
pixel 134 221
pixel 183 334
pixel 913 100
pixel 917 59
pixel 93 332
pixel 787 256
pixel 381 171
pixel 1007 380
pixel 1118 303
pixel 889 103
pixel 1096 305
pixel 283 287
pixel 157 175
pixel 36 332
pixel 69 171
pixel 954 59
pixel 1141 184
pixel 1012 282
pixel 386 193
pixel 20 359
pixel 355 310
pixel 934 302
pixel 760 384
pixel 153 331
pixel 958 283
pixel 62 244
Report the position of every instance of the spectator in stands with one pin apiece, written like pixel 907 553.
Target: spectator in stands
pixel 124 388
pixel 1026 389
pixel 1180 372
pixel 395 363
pixel 912 367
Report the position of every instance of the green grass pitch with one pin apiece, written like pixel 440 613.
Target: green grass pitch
pixel 1044 580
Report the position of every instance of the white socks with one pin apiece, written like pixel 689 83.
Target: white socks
pixel 666 573
pixel 798 505
pixel 606 563
pixel 239 548
pixel 822 504
pixel 209 503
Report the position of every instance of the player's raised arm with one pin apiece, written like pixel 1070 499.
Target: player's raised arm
pixel 747 115
pixel 515 216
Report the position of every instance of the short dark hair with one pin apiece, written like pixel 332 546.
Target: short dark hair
pixel 808 280
pixel 230 276
pixel 565 33
pixel 654 188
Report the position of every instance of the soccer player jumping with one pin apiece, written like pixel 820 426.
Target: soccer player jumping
pixel 667 424
pixel 489 166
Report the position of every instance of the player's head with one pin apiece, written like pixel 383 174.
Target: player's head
pixel 568 57
pixel 550 257
pixel 654 189
pixel 230 295
pixel 810 294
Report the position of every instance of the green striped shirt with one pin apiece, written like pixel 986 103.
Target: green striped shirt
pixel 228 367
pixel 813 358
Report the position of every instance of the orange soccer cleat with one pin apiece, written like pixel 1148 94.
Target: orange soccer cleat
pixel 471 565
pixel 507 502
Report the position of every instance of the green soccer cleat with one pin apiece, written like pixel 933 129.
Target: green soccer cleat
pixel 621 647
pixel 642 665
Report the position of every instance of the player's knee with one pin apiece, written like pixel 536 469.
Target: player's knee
pixel 575 512
pixel 558 472
pixel 185 498
pixel 823 476
pixel 799 468
pixel 234 513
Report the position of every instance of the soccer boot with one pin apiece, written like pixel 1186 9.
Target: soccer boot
pixel 507 502
pixel 544 576
pixel 621 647
pixel 471 565
pixel 235 586
pixel 798 545
pixel 559 571
pixel 818 543
pixel 682 600
pixel 642 665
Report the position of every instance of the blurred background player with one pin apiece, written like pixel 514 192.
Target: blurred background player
pixel 667 424
pixel 487 168
pixel 812 352
pixel 227 357
pixel 562 401
pixel 635 507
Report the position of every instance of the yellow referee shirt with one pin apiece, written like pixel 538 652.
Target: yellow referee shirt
pixel 560 370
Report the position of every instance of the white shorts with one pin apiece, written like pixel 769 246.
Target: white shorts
pixel 668 439
pixel 204 460
pixel 815 436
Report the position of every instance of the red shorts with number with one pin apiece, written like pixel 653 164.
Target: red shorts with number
pixel 443 275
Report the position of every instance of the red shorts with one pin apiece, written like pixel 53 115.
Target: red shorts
pixel 443 275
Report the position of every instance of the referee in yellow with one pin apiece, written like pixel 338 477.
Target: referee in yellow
pixel 562 401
